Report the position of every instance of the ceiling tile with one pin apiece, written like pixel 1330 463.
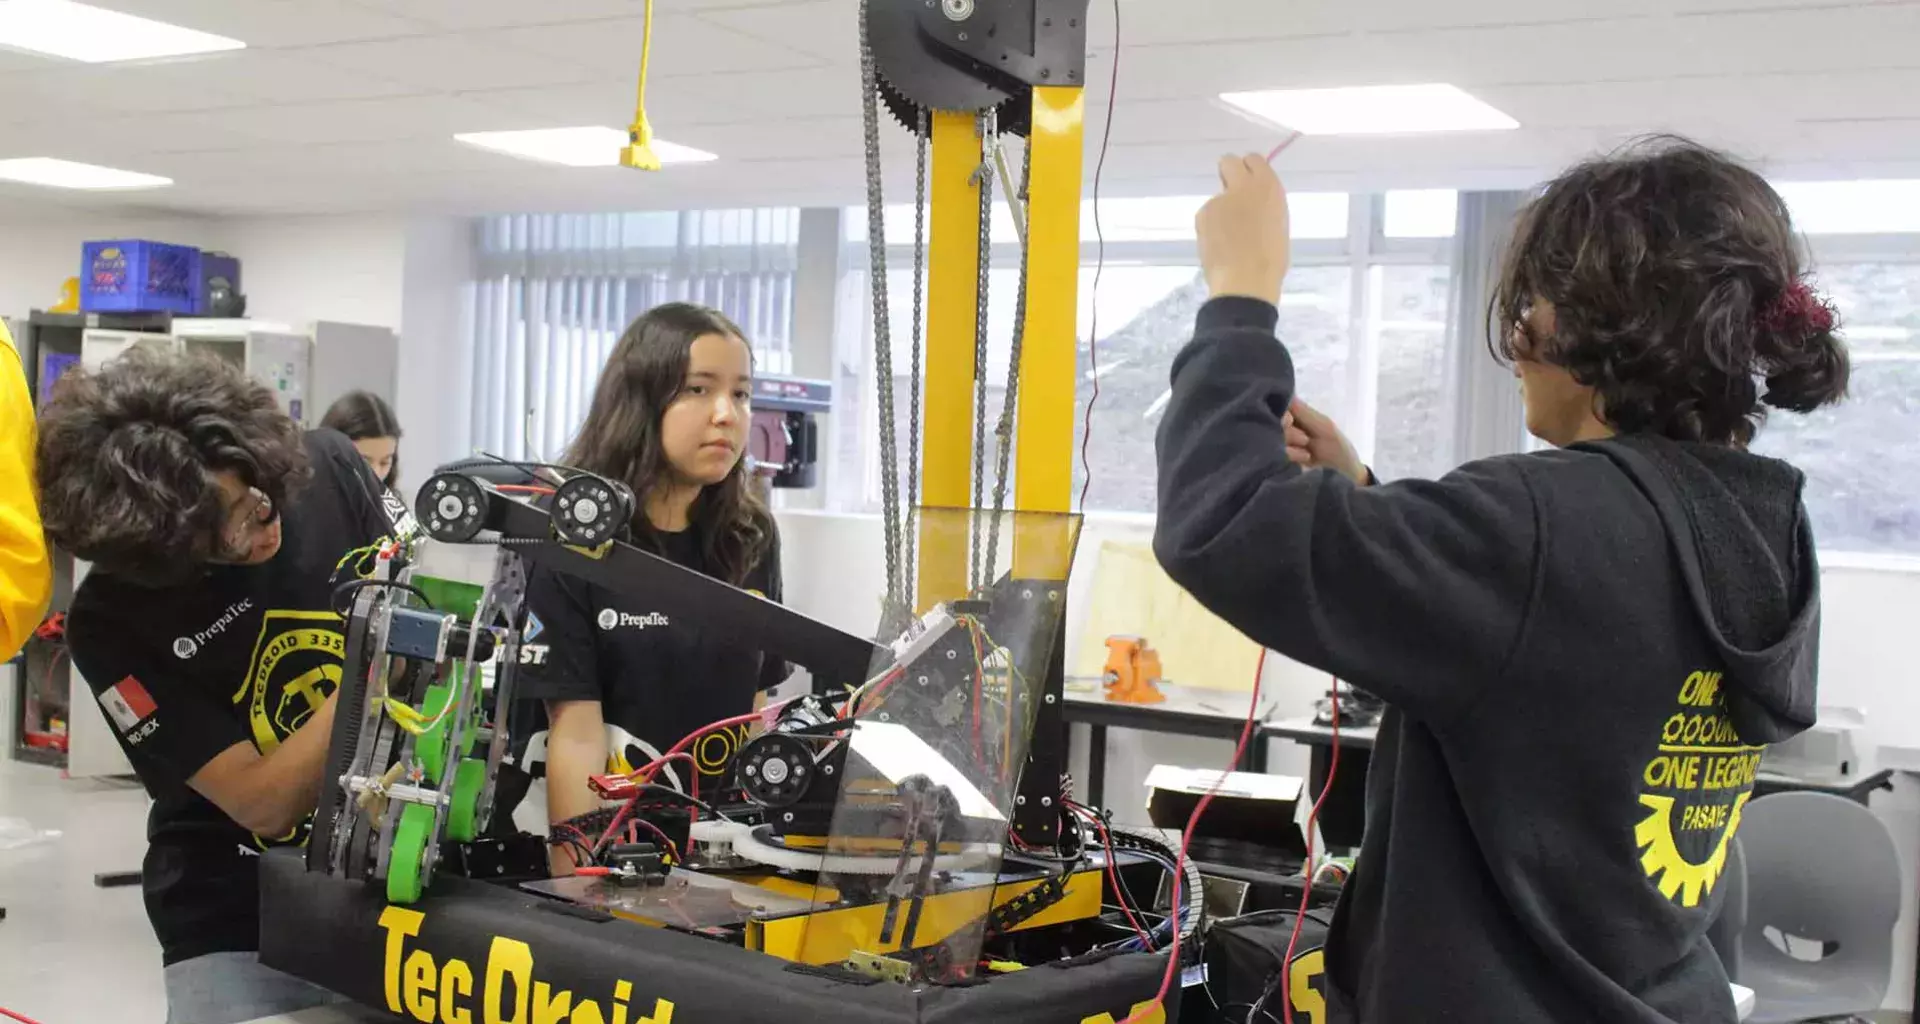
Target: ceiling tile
pixel 472 14
pixel 827 29
pixel 237 79
pixel 377 120
pixel 276 23
pixel 448 63
pixel 682 45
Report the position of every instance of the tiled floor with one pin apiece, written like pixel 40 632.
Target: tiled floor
pixel 72 953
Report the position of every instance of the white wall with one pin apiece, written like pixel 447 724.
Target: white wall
pixel 296 270
pixel 434 402
pixel 36 257
pixel 834 571
pixel 409 275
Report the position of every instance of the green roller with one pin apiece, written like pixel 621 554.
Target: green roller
pixel 405 859
pixel 431 746
pixel 463 818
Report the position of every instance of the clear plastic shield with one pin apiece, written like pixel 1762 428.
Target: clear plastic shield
pixel 930 754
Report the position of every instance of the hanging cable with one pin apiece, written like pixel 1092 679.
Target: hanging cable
pixel 1099 268
pixel 987 126
pixel 909 568
pixel 896 600
pixel 638 153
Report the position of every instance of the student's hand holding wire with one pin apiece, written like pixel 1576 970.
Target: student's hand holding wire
pixel 1314 441
pixel 1243 233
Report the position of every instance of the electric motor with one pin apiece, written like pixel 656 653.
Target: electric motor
pixel 776 769
pixel 589 511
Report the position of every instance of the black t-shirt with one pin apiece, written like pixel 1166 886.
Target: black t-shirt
pixel 657 680
pixel 244 654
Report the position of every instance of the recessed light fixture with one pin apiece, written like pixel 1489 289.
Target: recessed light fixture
pixel 577 147
pixel 43 170
pixel 1371 110
pixel 61 28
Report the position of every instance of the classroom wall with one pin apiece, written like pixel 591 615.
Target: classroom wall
pixel 410 275
pixel 834 570
pixel 37 256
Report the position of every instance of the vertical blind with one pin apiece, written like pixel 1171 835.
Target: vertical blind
pixel 553 293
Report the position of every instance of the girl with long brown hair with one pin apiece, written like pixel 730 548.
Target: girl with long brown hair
pixel 620 681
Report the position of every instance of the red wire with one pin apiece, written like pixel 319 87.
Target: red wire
pixel 22 1018
pixel 1306 891
pixel 1113 876
pixel 646 774
pixel 1186 839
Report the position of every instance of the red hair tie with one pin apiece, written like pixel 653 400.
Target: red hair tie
pixel 1798 313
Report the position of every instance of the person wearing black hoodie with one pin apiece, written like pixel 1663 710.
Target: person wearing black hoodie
pixel 1584 650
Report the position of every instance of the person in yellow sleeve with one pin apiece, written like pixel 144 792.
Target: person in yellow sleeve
pixel 26 578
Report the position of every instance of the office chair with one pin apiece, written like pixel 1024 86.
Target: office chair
pixel 1724 933
pixel 1823 874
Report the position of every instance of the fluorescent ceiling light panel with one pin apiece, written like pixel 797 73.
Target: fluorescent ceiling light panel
pixel 577 147
pixel 61 28
pixel 1371 110
pixel 41 170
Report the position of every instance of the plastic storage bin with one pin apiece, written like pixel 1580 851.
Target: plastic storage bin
pixel 135 276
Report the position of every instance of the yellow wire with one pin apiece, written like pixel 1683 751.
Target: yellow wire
pixel 646 57
pixel 639 151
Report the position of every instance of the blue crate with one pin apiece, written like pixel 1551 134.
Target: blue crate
pixel 135 276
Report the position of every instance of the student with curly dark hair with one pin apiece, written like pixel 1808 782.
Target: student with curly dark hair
pixel 206 630
pixel 1584 650
pixel 618 681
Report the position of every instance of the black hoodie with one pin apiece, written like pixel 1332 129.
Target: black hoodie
pixel 1583 652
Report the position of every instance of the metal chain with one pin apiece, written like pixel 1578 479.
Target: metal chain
pixel 882 329
pixel 909 567
pixel 989 127
pixel 1003 431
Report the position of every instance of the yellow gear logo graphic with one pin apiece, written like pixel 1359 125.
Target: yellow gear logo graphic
pixel 1679 879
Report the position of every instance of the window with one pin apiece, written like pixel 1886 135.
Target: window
pixel 1423 213
pixel 1314 215
pixel 554 293
pixel 1860 457
pixel 1151 310
pixel 1853 207
pixel 1407 314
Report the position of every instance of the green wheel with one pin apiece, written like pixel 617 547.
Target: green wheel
pixel 463 818
pixel 431 746
pixel 405 858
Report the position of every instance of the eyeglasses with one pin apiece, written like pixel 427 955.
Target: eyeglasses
pixel 254 512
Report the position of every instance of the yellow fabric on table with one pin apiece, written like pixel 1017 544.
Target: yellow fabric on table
pixel 1132 596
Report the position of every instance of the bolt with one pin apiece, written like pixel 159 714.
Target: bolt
pixel 1020 801
pixel 963 37
pixel 1044 73
pixel 827 768
pixel 1026 595
pixel 1053 595
pixel 923 680
pixel 1046 801
pixel 787 817
pixel 952 655
pixel 1049 698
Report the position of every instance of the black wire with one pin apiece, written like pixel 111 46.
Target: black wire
pixel 1099 268
pixel 669 791
pixel 351 587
